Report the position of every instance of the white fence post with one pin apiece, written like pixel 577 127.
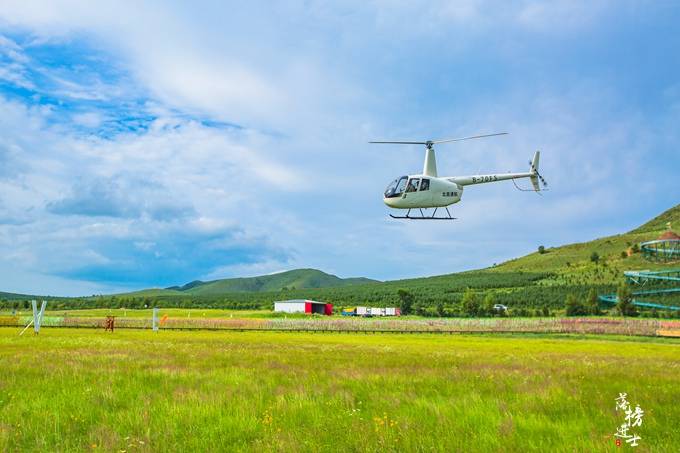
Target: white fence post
pixel 154 324
pixel 38 315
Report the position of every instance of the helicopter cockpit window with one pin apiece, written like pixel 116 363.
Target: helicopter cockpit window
pixel 396 187
pixel 412 185
pixel 425 185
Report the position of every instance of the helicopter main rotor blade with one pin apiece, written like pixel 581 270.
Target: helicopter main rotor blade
pixel 403 143
pixel 467 138
pixel 429 143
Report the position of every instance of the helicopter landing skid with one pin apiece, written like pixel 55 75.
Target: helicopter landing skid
pixel 423 216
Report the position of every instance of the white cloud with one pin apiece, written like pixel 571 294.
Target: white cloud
pixel 187 68
pixel 13 69
pixel 310 83
pixel 72 192
pixel 220 88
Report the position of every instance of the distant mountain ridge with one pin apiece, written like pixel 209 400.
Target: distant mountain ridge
pixel 281 281
pixel 570 264
pixel 12 296
pixel 288 280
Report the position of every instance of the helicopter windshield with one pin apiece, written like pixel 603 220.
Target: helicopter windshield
pixel 396 187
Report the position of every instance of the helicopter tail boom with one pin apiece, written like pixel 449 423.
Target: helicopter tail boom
pixel 533 175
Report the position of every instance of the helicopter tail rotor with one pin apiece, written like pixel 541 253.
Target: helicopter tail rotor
pixel 536 179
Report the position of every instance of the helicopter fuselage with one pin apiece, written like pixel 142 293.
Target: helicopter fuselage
pixel 420 191
pixel 423 191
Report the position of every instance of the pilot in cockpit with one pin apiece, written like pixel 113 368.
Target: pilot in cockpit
pixel 412 185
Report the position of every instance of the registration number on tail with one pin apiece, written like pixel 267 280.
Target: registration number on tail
pixel 476 179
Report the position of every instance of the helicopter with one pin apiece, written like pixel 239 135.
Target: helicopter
pixel 428 190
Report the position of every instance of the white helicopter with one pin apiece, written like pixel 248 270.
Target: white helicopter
pixel 428 190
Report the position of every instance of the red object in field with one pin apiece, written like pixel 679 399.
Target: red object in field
pixel 668 235
pixel 308 307
pixel 329 310
pixel 108 324
pixel 397 311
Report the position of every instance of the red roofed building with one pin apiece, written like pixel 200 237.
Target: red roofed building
pixel 668 235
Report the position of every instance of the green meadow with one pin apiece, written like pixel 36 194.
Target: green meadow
pixel 207 313
pixel 87 390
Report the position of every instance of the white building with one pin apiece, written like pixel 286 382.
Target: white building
pixel 303 306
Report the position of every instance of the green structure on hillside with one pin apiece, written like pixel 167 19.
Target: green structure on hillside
pixel 657 283
pixel 666 249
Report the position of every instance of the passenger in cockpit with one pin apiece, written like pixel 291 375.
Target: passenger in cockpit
pixel 412 185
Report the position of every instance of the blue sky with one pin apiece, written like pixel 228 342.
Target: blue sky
pixel 153 145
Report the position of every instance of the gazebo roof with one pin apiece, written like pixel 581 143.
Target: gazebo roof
pixel 668 235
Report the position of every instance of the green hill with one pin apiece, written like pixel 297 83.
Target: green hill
pixel 289 280
pixel 658 223
pixel 534 282
pixel 153 292
pixel 573 262
pixel 13 296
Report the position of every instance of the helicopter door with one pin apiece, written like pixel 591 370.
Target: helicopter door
pixel 410 196
pixel 424 193
pixel 412 185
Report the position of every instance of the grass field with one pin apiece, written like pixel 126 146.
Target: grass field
pixel 85 390
pixel 211 319
pixel 207 313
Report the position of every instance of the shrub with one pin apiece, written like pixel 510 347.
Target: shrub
pixel 440 309
pixel 624 304
pixel 405 302
pixel 470 302
pixel 488 305
pixel 592 304
pixel 573 307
